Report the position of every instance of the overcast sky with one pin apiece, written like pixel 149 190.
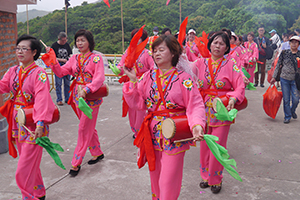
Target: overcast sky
pixel 51 5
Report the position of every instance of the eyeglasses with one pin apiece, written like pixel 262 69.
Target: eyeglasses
pixel 22 49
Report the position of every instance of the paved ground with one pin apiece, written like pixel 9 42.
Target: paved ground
pixel 266 150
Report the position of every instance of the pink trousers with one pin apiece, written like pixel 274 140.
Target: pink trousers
pixel 28 175
pixel 210 168
pixel 87 137
pixel 136 118
pixel 251 72
pixel 167 177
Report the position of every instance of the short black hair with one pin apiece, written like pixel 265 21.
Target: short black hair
pixel 227 31
pixel 88 35
pixel 225 38
pixel 165 30
pixel 34 44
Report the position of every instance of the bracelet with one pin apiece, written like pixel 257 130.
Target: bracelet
pixel 234 99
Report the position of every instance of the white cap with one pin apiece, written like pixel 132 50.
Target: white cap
pixel 233 34
pixel 295 38
pixel 192 31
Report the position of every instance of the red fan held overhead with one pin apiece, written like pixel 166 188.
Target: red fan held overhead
pixel 134 50
pixel 49 58
pixel 182 31
pixel 201 43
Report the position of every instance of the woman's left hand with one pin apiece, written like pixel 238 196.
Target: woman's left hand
pixel 38 132
pixel 82 94
pixel 230 105
pixel 246 80
pixel 198 133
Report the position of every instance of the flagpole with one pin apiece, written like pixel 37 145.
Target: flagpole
pixel 66 20
pixel 122 26
pixel 27 19
pixel 179 12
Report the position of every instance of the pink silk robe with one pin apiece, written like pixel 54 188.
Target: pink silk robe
pixel 181 93
pixel 144 63
pixel 227 78
pixel 192 51
pixel 252 50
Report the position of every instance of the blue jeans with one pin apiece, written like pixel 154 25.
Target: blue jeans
pixel 58 83
pixel 289 89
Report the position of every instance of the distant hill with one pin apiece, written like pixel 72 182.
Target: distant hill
pixel 21 16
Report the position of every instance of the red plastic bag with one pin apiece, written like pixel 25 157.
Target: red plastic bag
pixel 272 101
pixel 271 71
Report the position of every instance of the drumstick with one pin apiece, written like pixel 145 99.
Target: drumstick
pixel 183 140
pixel 31 133
pixel 43 44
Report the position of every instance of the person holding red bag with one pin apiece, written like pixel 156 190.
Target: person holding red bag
pixel 288 62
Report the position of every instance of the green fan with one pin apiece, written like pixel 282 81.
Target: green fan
pixel 223 114
pixel 84 107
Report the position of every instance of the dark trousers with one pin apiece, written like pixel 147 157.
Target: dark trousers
pixel 262 70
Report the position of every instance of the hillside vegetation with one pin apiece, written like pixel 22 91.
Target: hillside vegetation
pixel 241 16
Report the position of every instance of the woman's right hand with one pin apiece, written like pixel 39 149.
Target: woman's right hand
pixel 272 81
pixel 47 49
pixel 130 73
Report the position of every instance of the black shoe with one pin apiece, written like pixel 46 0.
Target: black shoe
pixel 42 198
pixel 73 172
pixel 262 85
pixel 203 184
pixel 91 162
pixel 286 121
pixel 255 85
pixel 133 136
pixel 216 189
pixel 294 115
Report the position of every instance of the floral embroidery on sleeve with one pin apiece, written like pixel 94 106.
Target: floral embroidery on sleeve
pixel 235 68
pixel 96 59
pixel 188 84
pixel 42 77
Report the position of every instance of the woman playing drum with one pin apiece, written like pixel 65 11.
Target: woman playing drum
pixel 28 86
pixel 165 92
pixel 217 76
pixel 88 69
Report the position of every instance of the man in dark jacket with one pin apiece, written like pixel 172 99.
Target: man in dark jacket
pixel 262 43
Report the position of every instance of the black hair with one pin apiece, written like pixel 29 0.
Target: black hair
pixel 227 31
pixel 165 30
pixel 144 36
pixel 88 35
pixel 34 44
pixel 224 37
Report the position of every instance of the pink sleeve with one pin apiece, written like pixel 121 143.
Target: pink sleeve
pixel 237 85
pixel 5 81
pixel 122 62
pixel 134 92
pixel 195 109
pixel 255 51
pixel 98 76
pixel 191 56
pixel 43 104
pixel 66 69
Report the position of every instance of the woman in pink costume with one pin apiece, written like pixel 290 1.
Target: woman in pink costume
pixel 252 51
pixel 165 92
pixel 143 64
pixel 191 48
pixel 217 76
pixel 28 85
pixel 88 70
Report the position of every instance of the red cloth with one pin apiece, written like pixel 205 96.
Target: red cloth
pixel 135 49
pixel 70 101
pixel 107 2
pixel 201 43
pixel 7 111
pixel 182 31
pixel 49 58
pixel 272 101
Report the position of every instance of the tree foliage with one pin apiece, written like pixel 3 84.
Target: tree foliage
pixel 241 16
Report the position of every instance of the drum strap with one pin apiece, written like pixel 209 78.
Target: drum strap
pixel 8 108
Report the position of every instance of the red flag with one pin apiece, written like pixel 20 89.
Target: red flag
pixel 134 50
pixel 182 31
pixel 107 3
pixel 168 1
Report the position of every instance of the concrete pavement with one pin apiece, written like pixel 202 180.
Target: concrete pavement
pixel 266 150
